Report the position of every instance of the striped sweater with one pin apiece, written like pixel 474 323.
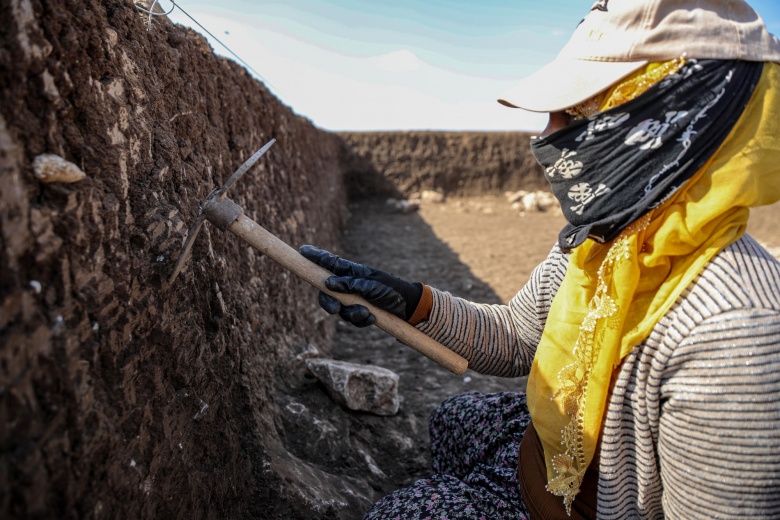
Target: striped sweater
pixel 692 428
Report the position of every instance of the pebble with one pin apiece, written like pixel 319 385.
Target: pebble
pixel 50 168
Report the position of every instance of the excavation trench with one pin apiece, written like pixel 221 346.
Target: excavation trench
pixel 123 396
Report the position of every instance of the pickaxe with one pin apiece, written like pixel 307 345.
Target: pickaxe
pixel 228 216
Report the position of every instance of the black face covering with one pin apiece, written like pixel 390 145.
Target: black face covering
pixel 613 167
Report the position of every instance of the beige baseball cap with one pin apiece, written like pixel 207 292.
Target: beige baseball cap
pixel 618 37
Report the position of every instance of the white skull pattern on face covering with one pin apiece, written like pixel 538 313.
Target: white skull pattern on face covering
pixel 585 194
pixel 651 131
pixel 603 123
pixel 566 167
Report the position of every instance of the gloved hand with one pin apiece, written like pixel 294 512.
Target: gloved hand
pixel 381 289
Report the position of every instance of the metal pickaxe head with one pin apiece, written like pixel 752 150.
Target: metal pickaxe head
pixel 217 209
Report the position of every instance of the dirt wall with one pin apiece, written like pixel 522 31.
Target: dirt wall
pixel 122 396
pixel 454 163
pixel 104 366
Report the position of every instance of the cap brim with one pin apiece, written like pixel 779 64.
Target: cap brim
pixel 565 82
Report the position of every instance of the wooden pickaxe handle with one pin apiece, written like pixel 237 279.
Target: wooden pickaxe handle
pixel 268 244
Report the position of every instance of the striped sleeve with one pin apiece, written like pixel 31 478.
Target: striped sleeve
pixel 498 339
pixel 719 431
pixel 692 429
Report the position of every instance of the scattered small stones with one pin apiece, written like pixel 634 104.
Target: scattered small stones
pixel 525 201
pixel 184 393
pixel 203 408
pixel 50 168
pixel 432 196
pixel 59 325
pixel 515 196
pixel 296 408
pixel 364 388
pixel 403 205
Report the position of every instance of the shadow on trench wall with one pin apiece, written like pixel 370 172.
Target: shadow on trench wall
pixel 104 368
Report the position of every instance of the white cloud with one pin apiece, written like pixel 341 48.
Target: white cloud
pixel 393 91
pixel 397 61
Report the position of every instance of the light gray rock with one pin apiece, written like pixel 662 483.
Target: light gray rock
pixel 403 205
pixel 51 168
pixel 515 196
pixel 432 196
pixel 364 388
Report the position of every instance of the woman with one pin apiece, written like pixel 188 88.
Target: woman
pixel 652 331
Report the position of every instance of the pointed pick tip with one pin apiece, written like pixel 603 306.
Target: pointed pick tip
pixel 172 278
pixel 178 267
pixel 187 248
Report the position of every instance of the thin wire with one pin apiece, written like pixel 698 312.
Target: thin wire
pixel 175 5
pixel 151 12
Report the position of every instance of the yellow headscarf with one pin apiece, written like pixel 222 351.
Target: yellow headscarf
pixel 614 294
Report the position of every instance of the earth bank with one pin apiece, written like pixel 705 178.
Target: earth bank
pixel 123 396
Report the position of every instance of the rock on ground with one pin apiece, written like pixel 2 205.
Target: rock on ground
pixel 362 388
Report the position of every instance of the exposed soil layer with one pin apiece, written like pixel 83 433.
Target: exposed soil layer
pixel 455 163
pixel 122 396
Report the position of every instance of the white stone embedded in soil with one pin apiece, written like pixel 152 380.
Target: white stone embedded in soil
pixel 525 201
pixel 403 205
pixel 516 196
pixel 432 196
pixel 364 388
pixel 51 168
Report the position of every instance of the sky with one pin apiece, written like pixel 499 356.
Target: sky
pixel 362 65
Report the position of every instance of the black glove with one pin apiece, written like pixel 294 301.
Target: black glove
pixel 381 289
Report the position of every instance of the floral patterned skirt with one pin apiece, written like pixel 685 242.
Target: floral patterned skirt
pixel 475 438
